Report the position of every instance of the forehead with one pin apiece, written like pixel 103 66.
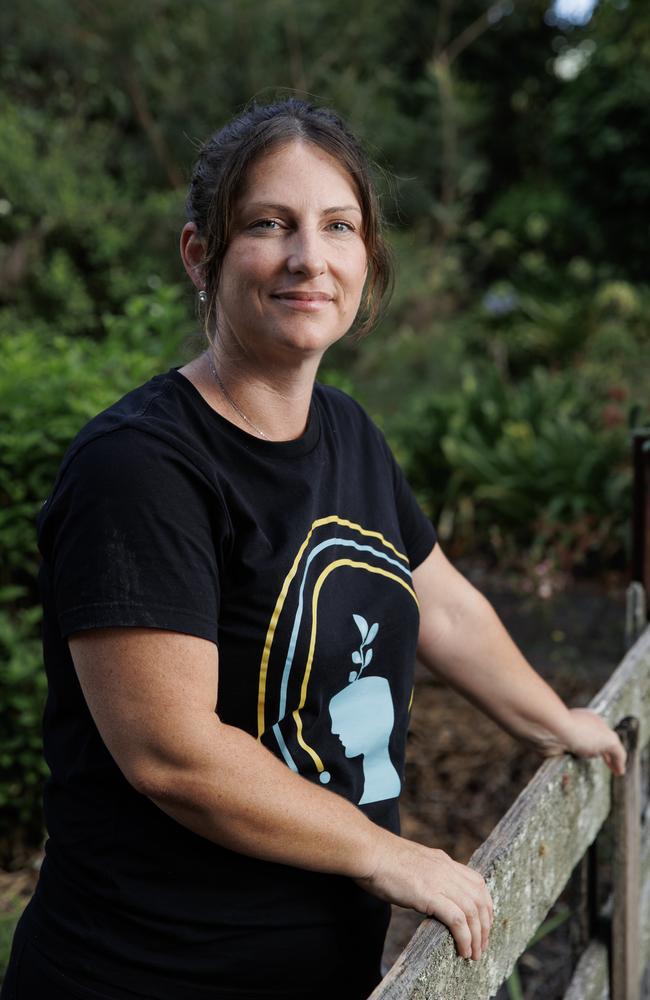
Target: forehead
pixel 298 170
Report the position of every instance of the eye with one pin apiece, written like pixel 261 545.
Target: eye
pixel 269 224
pixel 346 227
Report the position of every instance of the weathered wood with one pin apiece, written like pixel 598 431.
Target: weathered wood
pixel 528 857
pixel 636 617
pixel 583 902
pixel 626 811
pixel 590 980
pixel 641 508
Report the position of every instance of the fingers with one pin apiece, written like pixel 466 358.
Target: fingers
pixel 474 920
pixel 616 758
pixel 487 919
pixel 428 881
pixel 450 913
pixel 613 753
pixel 468 891
pixel 482 900
pixel 468 923
pixel 595 738
pixel 465 937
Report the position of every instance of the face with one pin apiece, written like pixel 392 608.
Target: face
pixel 294 271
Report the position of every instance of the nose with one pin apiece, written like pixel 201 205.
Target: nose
pixel 306 254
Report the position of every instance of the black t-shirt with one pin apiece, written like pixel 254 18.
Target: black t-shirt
pixel 295 558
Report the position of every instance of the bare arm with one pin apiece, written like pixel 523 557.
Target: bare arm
pixel 463 641
pixel 152 695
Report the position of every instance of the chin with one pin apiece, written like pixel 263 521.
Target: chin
pixel 310 341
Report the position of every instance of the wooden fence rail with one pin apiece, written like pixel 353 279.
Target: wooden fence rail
pixel 529 856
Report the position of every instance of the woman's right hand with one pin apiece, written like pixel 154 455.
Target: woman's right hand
pixel 427 880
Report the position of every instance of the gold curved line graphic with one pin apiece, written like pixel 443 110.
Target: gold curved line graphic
pixel 411 699
pixel 266 654
pixel 312 639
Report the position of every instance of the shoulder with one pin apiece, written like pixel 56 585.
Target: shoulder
pixel 335 398
pixel 345 410
pixel 352 427
pixel 156 423
pixel 144 452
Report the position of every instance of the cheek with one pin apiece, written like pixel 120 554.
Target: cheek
pixel 361 265
pixel 358 282
pixel 351 269
pixel 247 266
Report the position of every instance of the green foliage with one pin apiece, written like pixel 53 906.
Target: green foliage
pixel 48 390
pixel 102 109
pixel 8 920
pixel 71 245
pixel 598 327
pixel 604 112
pixel 22 768
pixel 531 465
pixel 517 344
pixel 513 983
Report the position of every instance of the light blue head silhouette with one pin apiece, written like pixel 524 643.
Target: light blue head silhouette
pixel 363 717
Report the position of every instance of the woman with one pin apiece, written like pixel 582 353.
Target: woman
pixel 236 578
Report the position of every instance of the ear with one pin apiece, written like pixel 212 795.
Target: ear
pixel 192 247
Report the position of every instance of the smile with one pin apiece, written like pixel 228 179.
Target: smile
pixel 303 303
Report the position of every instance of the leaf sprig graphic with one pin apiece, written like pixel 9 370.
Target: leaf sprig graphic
pixel 363 655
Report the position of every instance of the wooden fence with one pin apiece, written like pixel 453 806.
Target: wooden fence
pixel 550 833
pixel 529 856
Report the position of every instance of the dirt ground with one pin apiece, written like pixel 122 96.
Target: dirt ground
pixel 463 772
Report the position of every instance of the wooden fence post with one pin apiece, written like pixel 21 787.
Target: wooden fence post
pixel 641 509
pixel 626 813
pixel 636 604
pixel 583 901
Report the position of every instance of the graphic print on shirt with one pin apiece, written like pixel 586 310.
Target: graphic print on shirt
pixel 363 717
pixel 312 709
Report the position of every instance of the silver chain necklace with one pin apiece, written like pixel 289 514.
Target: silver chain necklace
pixel 232 401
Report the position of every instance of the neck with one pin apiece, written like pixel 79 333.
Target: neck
pixel 273 402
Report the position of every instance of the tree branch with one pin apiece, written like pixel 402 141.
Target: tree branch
pixel 151 129
pixel 474 30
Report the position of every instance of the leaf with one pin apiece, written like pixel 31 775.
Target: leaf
pixel 356 657
pixel 513 985
pixel 549 925
pixel 372 633
pixel 352 676
pixel 368 658
pixel 362 625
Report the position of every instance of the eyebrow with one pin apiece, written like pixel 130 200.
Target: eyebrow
pixel 285 208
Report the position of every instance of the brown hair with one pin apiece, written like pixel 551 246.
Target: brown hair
pixel 220 173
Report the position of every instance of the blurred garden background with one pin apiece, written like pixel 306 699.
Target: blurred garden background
pixel 511 142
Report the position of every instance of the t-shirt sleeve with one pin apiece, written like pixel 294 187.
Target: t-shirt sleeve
pixel 417 530
pixel 134 535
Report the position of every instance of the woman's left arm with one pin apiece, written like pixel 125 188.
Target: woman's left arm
pixel 463 641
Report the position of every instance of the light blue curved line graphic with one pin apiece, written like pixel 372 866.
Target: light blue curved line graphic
pixel 284 748
pixel 296 627
pixel 348 543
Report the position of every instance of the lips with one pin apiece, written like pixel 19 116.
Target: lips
pixel 303 296
pixel 305 302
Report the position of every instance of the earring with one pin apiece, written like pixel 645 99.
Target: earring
pixel 203 297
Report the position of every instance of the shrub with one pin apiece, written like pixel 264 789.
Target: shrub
pixel 22 768
pixel 49 388
pixel 536 467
